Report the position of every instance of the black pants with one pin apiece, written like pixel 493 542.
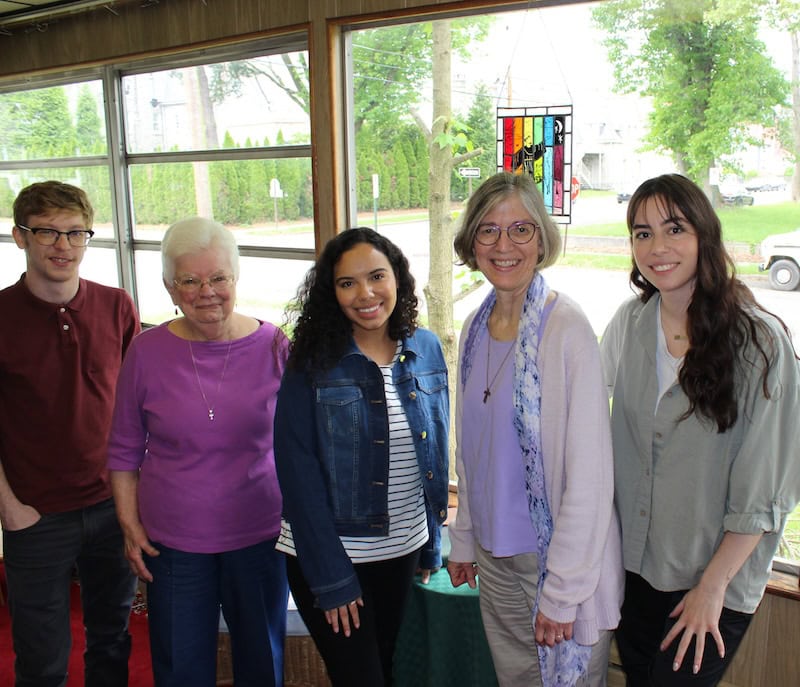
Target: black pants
pixel 39 561
pixel 645 622
pixel 364 659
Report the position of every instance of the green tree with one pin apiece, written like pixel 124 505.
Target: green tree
pixel 89 133
pixel 785 16
pixel 708 77
pixel 401 175
pixel 225 186
pixel 41 125
pixel 481 123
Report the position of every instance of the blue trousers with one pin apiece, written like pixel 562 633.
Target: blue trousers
pixel 183 604
pixel 39 562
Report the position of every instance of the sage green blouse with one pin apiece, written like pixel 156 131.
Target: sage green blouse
pixel 680 485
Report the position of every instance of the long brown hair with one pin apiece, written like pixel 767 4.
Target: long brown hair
pixel 724 319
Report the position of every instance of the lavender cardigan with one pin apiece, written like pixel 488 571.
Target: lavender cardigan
pixel 585 577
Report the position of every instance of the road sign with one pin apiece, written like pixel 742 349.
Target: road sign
pixel 470 172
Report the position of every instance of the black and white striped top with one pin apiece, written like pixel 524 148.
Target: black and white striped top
pixel 407 521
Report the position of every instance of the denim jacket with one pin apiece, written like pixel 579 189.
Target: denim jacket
pixel 332 457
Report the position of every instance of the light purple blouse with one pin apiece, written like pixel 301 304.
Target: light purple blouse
pixel 491 453
pixel 204 486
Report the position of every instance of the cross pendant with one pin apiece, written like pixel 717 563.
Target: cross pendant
pixel 210 413
pixel 486 394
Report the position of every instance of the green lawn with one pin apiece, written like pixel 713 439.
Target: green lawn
pixel 600 261
pixel 790 542
pixel 750 224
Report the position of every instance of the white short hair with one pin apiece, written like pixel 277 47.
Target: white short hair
pixel 193 235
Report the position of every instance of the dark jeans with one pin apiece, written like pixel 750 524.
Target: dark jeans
pixel 645 622
pixel 364 659
pixel 183 603
pixel 39 562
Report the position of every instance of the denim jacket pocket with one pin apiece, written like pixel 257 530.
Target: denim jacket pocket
pixel 431 382
pixel 433 387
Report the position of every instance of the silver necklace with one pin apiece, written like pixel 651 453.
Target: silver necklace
pixel 487 391
pixel 209 406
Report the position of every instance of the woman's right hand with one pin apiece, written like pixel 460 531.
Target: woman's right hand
pixel 343 615
pixel 462 572
pixel 136 542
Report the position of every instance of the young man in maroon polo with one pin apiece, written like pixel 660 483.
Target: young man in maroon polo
pixel 60 351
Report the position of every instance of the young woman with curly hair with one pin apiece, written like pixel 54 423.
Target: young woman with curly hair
pixel 362 453
pixel 705 405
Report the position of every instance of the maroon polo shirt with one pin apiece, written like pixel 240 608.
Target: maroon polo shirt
pixel 58 374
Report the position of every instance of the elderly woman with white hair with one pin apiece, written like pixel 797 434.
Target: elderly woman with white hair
pixel 193 472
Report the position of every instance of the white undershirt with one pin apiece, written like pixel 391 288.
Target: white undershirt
pixel 668 365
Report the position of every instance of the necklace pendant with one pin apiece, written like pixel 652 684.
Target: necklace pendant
pixel 210 413
pixel 486 394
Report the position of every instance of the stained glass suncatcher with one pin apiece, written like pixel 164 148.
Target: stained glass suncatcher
pixel 538 141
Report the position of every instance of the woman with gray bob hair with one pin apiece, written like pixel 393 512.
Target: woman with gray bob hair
pixel 535 516
pixel 489 194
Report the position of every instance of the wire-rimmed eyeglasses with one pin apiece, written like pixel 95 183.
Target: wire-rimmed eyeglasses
pixel 518 232
pixel 219 283
pixel 78 238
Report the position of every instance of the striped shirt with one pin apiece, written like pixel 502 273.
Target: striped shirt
pixel 408 529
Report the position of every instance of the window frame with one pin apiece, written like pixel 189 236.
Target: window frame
pixel 118 161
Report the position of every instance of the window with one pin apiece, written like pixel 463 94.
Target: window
pixel 223 134
pixel 528 59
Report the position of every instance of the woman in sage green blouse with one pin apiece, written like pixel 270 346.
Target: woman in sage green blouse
pixel 705 431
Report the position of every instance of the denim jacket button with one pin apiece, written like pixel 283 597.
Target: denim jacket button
pixel 429 474
pixel 424 434
pixel 442 513
pixel 412 395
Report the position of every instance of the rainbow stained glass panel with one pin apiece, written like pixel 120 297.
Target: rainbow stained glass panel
pixel 538 141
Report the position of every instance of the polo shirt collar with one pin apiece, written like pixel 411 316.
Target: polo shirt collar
pixel 75 305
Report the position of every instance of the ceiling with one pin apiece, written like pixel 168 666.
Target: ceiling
pixel 22 13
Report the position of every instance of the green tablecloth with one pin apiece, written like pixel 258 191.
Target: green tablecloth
pixel 442 641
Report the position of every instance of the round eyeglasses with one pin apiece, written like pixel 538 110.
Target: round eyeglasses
pixel 77 238
pixel 518 232
pixel 219 284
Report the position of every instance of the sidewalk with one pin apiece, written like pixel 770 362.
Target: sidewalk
pixel 741 252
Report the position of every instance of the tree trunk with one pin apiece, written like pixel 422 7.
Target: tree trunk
pixel 203 127
pixel 796 113
pixel 439 289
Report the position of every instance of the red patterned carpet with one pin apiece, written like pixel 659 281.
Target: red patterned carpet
pixel 139 665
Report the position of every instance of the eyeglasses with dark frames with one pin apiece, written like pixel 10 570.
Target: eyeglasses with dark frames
pixel 518 232
pixel 77 238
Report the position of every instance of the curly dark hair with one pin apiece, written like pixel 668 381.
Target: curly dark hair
pixel 321 330
pixel 722 320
